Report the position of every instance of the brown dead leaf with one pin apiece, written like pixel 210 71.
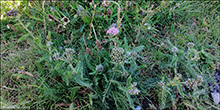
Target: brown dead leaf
pixel 62 105
pixel 12 28
pixel 29 74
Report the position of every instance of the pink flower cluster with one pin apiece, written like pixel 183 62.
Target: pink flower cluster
pixel 112 31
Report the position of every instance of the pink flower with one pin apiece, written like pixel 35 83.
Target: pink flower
pixel 112 31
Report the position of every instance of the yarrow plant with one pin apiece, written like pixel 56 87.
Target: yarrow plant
pixel 117 55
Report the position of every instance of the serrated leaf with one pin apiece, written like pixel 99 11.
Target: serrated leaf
pixel 137 49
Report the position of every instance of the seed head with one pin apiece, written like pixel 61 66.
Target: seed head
pixel 99 68
pixel 98 44
pixel 117 55
pixel 190 44
pixel 70 51
pixel 56 56
pixel 174 49
pixel 88 51
pixel 191 83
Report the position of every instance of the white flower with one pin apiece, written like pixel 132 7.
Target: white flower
pixel 145 24
pixel 148 27
pixel 49 43
pixel 216 97
pixel 8 26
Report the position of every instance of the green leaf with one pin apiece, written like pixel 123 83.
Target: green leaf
pixel 179 87
pixel 126 44
pixel 84 14
pixel 90 99
pixel 92 73
pixel 73 92
pixel 128 82
pixel 198 93
pixel 137 49
pixel 23 37
pixel 81 82
pixel 19 76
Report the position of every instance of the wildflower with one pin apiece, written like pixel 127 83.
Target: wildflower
pixel 215 96
pixel 133 90
pixel 66 57
pixel 8 26
pixel 65 20
pixel 56 56
pixel 117 55
pixel 70 51
pixel 191 83
pixel 128 53
pixel 148 27
pixel 145 24
pixel 174 49
pixel 99 68
pixel 49 43
pixel 11 12
pixel 199 80
pixel 190 44
pixel 113 31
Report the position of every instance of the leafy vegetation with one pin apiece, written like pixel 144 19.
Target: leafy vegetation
pixel 108 54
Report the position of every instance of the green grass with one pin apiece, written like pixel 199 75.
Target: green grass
pixel 76 84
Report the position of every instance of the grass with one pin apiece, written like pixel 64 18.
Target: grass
pixel 31 77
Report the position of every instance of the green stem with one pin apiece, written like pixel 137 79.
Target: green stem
pixel 109 84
